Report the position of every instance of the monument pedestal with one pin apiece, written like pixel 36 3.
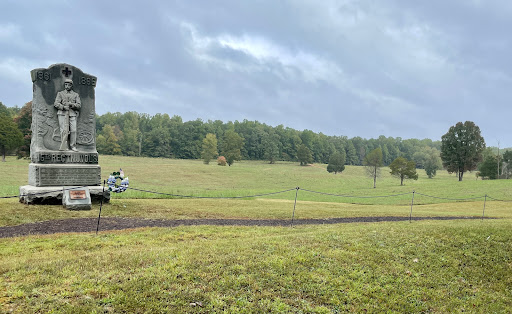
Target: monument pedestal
pixel 52 195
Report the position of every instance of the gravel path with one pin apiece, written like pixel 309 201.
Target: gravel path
pixel 117 223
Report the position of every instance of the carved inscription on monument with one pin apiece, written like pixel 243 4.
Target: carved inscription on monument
pixel 54 176
pixel 65 158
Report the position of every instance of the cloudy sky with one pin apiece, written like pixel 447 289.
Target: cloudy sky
pixel 407 69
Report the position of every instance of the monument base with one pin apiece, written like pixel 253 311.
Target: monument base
pixel 63 175
pixel 52 195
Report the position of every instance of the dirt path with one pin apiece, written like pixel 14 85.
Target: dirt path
pixel 117 223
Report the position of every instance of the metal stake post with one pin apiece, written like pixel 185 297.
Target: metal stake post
pixel 412 203
pixel 295 204
pixel 483 212
pixel 101 205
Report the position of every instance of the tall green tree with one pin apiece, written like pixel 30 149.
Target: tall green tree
pixel 433 162
pixel 232 146
pixel 304 155
pixel 130 140
pixel 24 122
pixel 372 163
pixel 403 169
pixel 351 153
pixel 507 163
pixel 107 141
pixel 157 143
pixel 271 147
pixel 428 158
pixel 489 167
pixel 10 136
pixel 462 147
pixel 336 162
pixel 209 151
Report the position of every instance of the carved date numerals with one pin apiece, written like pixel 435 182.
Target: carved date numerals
pixel 84 80
pixel 43 76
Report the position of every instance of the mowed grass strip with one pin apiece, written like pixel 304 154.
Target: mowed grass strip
pixel 428 266
pixel 13 213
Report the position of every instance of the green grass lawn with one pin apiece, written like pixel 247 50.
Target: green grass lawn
pixel 427 266
pixel 193 178
pixel 423 266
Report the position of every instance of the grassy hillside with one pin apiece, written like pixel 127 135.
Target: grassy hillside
pixel 192 177
pixel 424 266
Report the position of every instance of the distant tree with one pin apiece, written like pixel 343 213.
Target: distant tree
pixel 336 162
pixel 308 137
pixel 428 159
pixel 4 110
pixel 461 148
pixel 271 147
pixel 433 163
pixel 507 163
pixel 209 148
pixel 221 161
pixel 131 141
pixel 489 167
pixel 304 155
pixel 24 122
pixel 233 144
pixel 106 141
pixel 372 163
pixel 10 136
pixel 351 153
pixel 403 169
pixel 157 143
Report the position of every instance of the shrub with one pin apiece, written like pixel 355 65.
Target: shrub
pixel 221 161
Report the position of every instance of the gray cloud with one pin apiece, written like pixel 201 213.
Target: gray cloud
pixel 357 68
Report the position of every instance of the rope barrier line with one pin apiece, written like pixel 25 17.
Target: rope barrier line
pixel 451 199
pixel 498 200
pixel 12 196
pixel 354 196
pixel 267 194
pixel 212 197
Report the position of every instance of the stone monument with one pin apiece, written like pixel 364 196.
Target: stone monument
pixel 63 149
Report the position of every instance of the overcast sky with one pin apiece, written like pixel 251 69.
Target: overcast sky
pixel 366 68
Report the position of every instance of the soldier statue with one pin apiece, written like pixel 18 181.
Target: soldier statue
pixel 68 104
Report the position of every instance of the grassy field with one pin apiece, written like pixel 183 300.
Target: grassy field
pixel 424 266
pixel 193 178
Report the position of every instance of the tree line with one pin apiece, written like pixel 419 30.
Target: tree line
pixel 160 135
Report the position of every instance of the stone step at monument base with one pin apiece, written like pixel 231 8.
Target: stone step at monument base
pixel 52 195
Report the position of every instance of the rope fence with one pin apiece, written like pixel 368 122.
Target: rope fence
pixel 210 197
pixel 296 189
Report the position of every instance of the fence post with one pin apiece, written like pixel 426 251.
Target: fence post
pixel 295 204
pixel 412 203
pixel 483 212
pixel 101 205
